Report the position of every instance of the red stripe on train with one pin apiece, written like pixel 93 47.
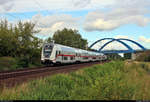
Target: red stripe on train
pixel 73 56
pixel 65 55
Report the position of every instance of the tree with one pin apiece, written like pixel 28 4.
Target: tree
pixel 143 56
pixel 19 40
pixel 127 55
pixel 48 40
pixel 113 56
pixel 70 38
pixel 6 39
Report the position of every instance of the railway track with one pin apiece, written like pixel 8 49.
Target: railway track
pixel 9 77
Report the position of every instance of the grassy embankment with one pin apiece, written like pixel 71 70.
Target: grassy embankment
pixel 111 81
pixel 10 63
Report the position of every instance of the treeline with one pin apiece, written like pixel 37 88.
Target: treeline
pixel 70 38
pixel 17 41
pixel 115 56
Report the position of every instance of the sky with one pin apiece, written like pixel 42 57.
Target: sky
pixel 94 19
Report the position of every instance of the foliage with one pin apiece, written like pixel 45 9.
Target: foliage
pixel 48 40
pixel 114 56
pixel 18 41
pixel 8 63
pixel 112 81
pixel 127 55
pixel 70 38
pixel 144 56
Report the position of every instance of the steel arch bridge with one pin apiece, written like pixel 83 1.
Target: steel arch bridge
pixel 120 40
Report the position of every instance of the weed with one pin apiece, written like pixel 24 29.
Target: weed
pixel 111 81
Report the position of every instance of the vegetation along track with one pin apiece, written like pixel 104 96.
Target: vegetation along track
pixel 11 78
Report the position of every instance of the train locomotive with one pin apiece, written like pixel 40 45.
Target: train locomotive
pixel 59 54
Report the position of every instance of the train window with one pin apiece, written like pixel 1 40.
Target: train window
pixel 65 58
pixel 59 52
pixel 85 58
pixel 76 54
pixel 94 57
pixel 72 58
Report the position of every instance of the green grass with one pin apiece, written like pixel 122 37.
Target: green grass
pixel 10 63
pixel 111 81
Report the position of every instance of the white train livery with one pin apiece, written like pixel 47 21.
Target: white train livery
pixel 59 54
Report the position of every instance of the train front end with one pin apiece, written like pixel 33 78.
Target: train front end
pixel 46 53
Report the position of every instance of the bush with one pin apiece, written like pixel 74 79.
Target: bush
pixel 112 81
pixel 23 62
pixel 145 56
pixel 8 63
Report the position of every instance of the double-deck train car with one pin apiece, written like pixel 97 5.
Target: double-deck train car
pixel 58 54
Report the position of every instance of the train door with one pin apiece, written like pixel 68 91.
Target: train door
pixel 58 56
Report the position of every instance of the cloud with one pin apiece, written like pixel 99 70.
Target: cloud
pixel 2 2
pixel 121 13
pixel 81 3
pixel 99 25
pixel 106 15
pixel 101 21
pixel 6 5
pixel 122 36
pixel 54 5
pixel 143 39
pixel 133 4
pixel 49 24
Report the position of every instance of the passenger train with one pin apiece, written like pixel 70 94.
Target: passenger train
pixel 59 54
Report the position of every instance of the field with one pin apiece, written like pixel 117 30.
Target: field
pixel 116 80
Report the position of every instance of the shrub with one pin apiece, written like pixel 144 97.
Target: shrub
pixel 111 81
pixel 8 63
pixel 23 62
pixel 145 56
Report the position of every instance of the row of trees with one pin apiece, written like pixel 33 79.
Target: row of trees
pixel 70 38
pixel 18 41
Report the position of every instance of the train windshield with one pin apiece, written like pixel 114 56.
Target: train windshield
pixel 48 50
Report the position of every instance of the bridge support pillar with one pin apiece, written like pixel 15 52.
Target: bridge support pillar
pixel 133 56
